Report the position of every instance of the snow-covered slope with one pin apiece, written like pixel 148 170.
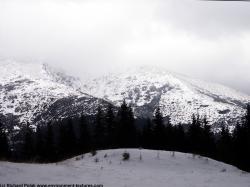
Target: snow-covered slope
pixel 155 168
pixel 36 92
pixel 178 96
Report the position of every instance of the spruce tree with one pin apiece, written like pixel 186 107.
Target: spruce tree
pixel 241 141
pixel 4 146
pixel 126 136
pixel 28 148
pixel 195 135
pixel 208 147
pixel 50 154
pixel 70 137
pixel 224 145
pixel 62 144
pixel 179 138
pixel 147 135
pixel 169 135
pixel 158 130
pixel 67 139
pixel 84 142
pixel 132 132
pixel 39 144
pixel 111 127
pixel 100 129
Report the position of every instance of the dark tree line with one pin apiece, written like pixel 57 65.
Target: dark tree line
pixel 58 140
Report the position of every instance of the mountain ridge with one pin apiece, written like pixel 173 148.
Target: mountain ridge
pixel 34 93
pixel 38 92
pixel 178 96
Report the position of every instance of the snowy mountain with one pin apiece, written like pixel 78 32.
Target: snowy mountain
pixel 145 88
pixel 37 92
pixel 155 168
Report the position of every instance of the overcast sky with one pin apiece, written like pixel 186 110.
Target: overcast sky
pixel 203 39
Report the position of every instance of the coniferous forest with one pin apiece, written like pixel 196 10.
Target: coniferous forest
pixel 112 128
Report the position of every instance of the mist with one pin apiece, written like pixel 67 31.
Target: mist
pixel 203 39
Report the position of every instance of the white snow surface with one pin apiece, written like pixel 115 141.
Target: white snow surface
pixel 26 89
pixel 178 96
pixel 156 168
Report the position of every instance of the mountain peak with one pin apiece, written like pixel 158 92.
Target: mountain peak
pixel 32 91
pixel 179 96
pixel 36 92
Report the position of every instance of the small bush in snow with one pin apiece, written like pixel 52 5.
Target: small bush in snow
pixel 105 156
pixel 125 156
pixel 96 160
pixel 173 154
pixel 158 155
pixel 93 153
pixel 78 158
pixel 223 170
pixel 193 155
pixel 206 160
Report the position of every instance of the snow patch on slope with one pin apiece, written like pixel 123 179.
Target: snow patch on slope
pixel 28 89
pixel 178 96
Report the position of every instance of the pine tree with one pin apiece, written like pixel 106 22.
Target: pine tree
pixel 247 144
pixel 4 146
pixel 126 136
pixel 224 145
pixel 39 144
pixel 179 138
pixel 71 137
pixel 247 118
pixel 159 130
pixel 111 127
pixel 169 135
pixel 195 135
pixel 147 135
pixel 132 133
pixel 67 139
pixel 100 129
pixel 241 141
pixel 208 143
pixel 28 148
pixel 62 144
pixel 84 142
pixel 50 154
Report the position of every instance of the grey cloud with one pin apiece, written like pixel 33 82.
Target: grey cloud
pixel 203 39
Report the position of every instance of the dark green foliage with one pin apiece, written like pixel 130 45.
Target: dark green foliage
pixel 195 135
pixel 93 152
pixel 125 156
pixel 39 144
pixel 224 145
pixel 62 139
pixel 111 127
pixel 158 130
pixel 50 152
pixel 83 141
pixel 68 137
pixel 241 140
pixel 208 140
pixel 28 148
pixel 126 133
pixel 100 130
pixel 179 138
pixel 147 135
pixel 4 145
